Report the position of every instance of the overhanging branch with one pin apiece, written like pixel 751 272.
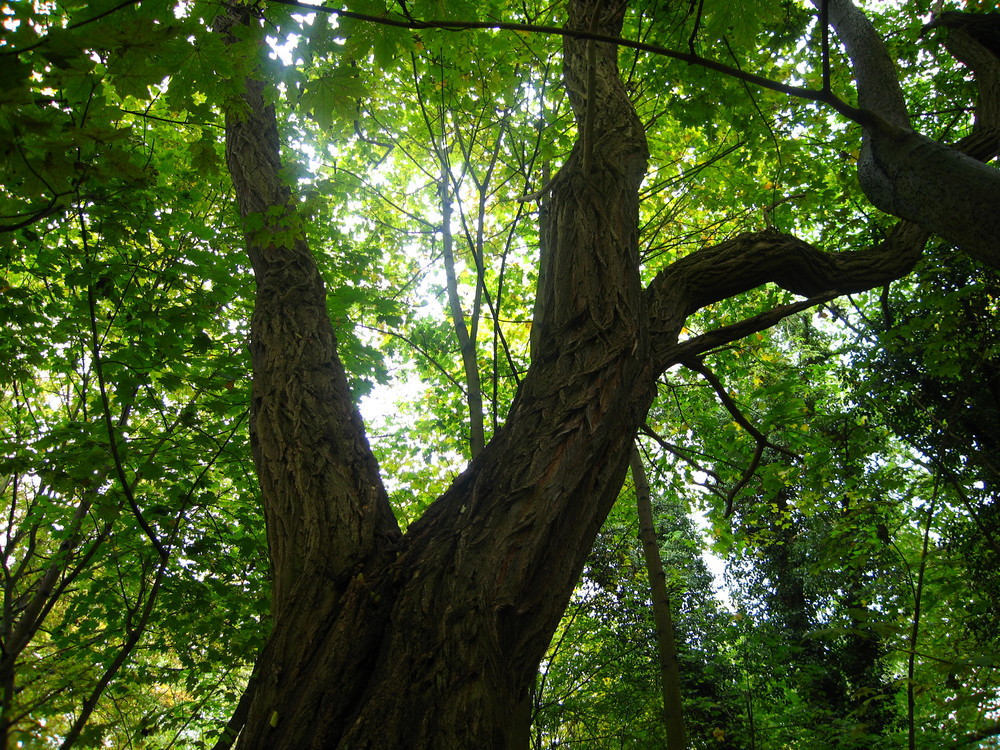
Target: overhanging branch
pixel 753 259
pixel 905 173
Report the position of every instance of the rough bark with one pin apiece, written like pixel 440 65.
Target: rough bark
pixel 432 639
pixel 905 173
pixel 328 518
pixel 978 51
pixel 750 260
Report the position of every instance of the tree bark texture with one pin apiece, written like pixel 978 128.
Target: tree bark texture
pixel 432 639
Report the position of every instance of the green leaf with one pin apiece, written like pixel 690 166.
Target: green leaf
pixel 334 97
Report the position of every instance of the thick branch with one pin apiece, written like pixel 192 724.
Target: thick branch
pixel 750 260
pixel 972 41
pixel 878 86
pixel 908 174
pixel 951 194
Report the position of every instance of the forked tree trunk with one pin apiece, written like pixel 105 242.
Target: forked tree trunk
pixel 432 639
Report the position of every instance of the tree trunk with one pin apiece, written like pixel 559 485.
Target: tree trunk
pixel 432 639
pixel 666 646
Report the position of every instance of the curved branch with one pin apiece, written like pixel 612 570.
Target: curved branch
pixel 680 453
pixel 734 410
pixel 908 174
pixel 878 85
pixel 95 351
pixel 421 351
pixel 745 479
pixel 43 213
pixel 751 260
pixel 973 45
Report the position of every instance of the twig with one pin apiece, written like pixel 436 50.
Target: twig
pixel 78 24
pixel 677 451
pixel 744 480
pixel 863 117
pixel 760 438
pixel 420 350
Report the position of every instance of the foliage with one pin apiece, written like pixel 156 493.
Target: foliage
pixel 598 684
pixel 862 550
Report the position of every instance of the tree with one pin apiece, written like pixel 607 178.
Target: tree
pixel 598 685
pixel 432 637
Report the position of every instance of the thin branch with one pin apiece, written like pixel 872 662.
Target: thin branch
pixel 760 438
pixel 862 117
pixel 77 25
pixel 421 351
pixel 186 123
pixel 238 720
pixel 745 479
pixel 698 345
pixel 733 408
pixel 824 22
pixel 106 409
pixel 679 452
pixel 915 625
pixel 44 213
pixel 766 210
pixel 697 23
pixel 134 635
pixel 774 137
pixel 978 736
